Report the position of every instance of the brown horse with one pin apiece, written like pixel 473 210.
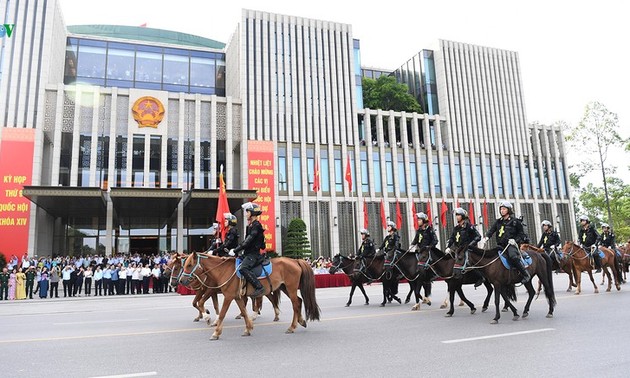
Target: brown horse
pixel 174 269
pixel 625 259
pixel 504 279
pixel 565 264
pixel 288 275
pixel 582 263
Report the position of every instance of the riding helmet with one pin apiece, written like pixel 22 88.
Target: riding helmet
pixel 460 211
pixel 391 224
pixel 422 216
pixel 230 218
pixel 584 218
pixel 365 231
pixel 545 223
pixel 252 207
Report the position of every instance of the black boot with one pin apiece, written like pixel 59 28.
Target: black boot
pixel 598 261
pixel 480 279
pixel 524 273
pixel 258 287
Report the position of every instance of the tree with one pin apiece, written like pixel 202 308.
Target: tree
pixel 296 244
pixel 387 94
pixel 592 200
pixel 595 134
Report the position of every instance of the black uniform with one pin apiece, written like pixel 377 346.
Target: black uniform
pixel 216 247
pixel 390 245
pixel 465 234
pixel 366 249
pixel 589 238
pixel 607 239
pixel 231 241
pixel 425 237
pixel 251 246
pixel 549 239
pixel 4 285
pixel 506 229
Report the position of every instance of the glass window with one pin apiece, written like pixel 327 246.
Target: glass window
pixel 85 148
pixel 365 181
pixel 310 167
pixel 91 62
pixel 499 176
pixel 537 178
pixel 175 69
pixel 528 180
pixel 220 81
pixel 297 170
pixel 149 67
pixel 489 171
pixel 519 179
pixel 138 161
pixel 479 175
pixel 282 168
pixel 554 179
pixel 546 177
pixel 338 172
pixel 71 61
pixel 508 171
pixel 468 174
pixel 424 175
pixel 402 182
pixel 155 162
pixel 458 176
pixel 171 162
pixel 413 170
pixel 563 180
pixel 121 161
pixel 324 171
pixel 447 175
pixel 376 162
pixel 202 72
pixel 120 64
pixel 436 175
pixel 389 171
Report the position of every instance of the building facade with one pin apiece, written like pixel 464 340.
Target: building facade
pixel 277 106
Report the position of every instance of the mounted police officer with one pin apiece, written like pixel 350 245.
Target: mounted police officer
pixel 550 240
pixel 588 238
pixel 425 234
pixel 464 234
pixel 390 247
pixel 231 237
pixel 607 238
pixel 366 250
pixel 215 245
pixel 510 234
pixel 251 246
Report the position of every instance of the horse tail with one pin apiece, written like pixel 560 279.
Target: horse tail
pixel 549 292
pixel 510 291
pixel 307 289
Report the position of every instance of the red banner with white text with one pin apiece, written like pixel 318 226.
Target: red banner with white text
pixel 261 178
pixel 16 169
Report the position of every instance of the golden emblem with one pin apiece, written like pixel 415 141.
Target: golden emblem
pixel 148 111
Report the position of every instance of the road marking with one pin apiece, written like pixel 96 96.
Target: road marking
pixel 101 321
pixel 145 374
pixel 497 336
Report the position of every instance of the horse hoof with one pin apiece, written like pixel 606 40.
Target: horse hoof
pixel 549 316
pixel 347 304
pixel 484 309
pixel 596 291
pixel 504 310
pixel 568 290
pixel 462 304
pixel 382 305
pixel 214 337
pixel 442 307
pixel 302 323
pixel 415 308
pixel 448 315
pixel 525 314
pixel 516 317
pixel 246 333
pixel 406 301
pixel 195 319
pixel 213 324
pixel 366 304
pixel 289 331
pixel 577 293
pixel 494 321
pixel 618 288
pixel 238 317
pixel 472 311
pixel 608 290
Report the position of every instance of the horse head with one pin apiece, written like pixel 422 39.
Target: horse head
pixel 461 260
pixel 336 264
pixel 571 247
pixel 175 268
pixel 190 265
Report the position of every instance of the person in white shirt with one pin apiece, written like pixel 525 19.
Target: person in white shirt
pixel 107 279
pixel 122 279
pixel 128 279
pixel 145 272
pixel 87 276
pixel 98 281
pixel 135 279
pixel 155 275
pixel 66 274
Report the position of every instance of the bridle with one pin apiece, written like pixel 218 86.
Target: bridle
pixel 339 267
pixel 205 272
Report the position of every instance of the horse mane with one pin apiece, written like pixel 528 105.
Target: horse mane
pixel 531 247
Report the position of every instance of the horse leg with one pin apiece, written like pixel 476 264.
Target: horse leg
pixel 590 275
pixel 497 302
pixel 427 292
pixel 489 290
pixel 385 293
pixel 531 292
pixel 219 329
pixel 411 290
pixel 451 297
pixel 202 306
pixel 460 292
pixel 249 325
pixel 367 300
pixel 444 304
pixel 416 290
pixel 195 304
pixel 256 304
pixel 354 285
pixel 215 303
pixel 578 280
pixel 537 290
pixel 509 304
pixel 607 273
pixel 240 315
pixel 297 309
pixel 273 298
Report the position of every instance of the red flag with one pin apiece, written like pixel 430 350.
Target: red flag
pixel 413 214
pixel 429 215
pixel 398 216
pixel 349 174
pixel 383 217
pixel 485 213
pixel 443 214
pixel 365 215
pixel 457 204
pixel 316 186
pixel 223 206
pixel 471 213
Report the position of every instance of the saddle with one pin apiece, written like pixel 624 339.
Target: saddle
pixel 526 259
pixel 260 271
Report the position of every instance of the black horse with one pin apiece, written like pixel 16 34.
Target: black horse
pixel 350 267
pixel 503 280
pixel 405 265
pixel 435 264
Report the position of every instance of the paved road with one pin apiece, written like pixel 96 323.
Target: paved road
pixel 153 335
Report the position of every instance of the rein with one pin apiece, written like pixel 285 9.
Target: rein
pixel 464 267
pixel 205 273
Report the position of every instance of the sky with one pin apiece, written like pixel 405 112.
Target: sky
pixel 571 53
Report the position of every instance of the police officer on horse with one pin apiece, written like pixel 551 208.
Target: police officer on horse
pixel 425 235
pixel 390 247
pixel 607 238
pixel 510 234
pixel 215 245
pixel 251 246
pixel 366 250
pixel 550 240
pixel 231 237
pixel 464 234
pixel 588 238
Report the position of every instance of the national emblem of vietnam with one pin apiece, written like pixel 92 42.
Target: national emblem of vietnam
pixel 148 111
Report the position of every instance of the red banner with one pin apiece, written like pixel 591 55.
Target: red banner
pixel 16 169
pixel 261 178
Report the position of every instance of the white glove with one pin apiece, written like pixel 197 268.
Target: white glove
pixel 378 250
pixel 483 242
pixel 231 253
pixel 512 242
pixel 448 251
pixel 553 248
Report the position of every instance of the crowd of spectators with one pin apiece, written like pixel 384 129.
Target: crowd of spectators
pixel 84 275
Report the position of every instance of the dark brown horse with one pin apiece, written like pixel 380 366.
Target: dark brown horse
pixel 504 279
pixel 349 266
pixel 565 264
pixel 625 259
pixel 288 275
pixel 581 261
pixel 434 264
